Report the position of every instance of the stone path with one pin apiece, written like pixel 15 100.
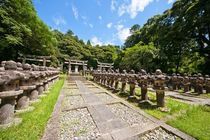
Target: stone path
pixel 86 111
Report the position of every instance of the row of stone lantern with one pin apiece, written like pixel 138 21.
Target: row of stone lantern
pixel 20 84
pixel 143 80
pixel 197 82
pixel 112 78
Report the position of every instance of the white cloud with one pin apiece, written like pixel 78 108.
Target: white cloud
pixel 108 43
pixel 91 25
pixel 122 9
pixel 59 21
pixel 109 25
pixel 100 17
pixel 133 8
pixel 122 32
pixel 113 5
pixel 95 41
pixel 75 12
pixel 170 1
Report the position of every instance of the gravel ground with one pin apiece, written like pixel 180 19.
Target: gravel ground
pixel 71 91
pixel 95 89
pixel 129 115
pixel 105 97
pixel 77 124
pixel 91 86
pixel 73 87
pixel 159 134
pixel 88 84
pixel 73 101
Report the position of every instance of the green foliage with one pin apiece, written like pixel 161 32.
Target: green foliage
pixel 70 47
pixel 175 41
pixel 180 33
pixel 139 57
pixel 22 31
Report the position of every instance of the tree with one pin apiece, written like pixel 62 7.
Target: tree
pixel 22 31
pixel 135 28
pixel 139 57
pixel 88 43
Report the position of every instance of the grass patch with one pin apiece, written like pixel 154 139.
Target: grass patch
pixel 204 95
pixel 33 123
pixel 195 122
pixel 174 108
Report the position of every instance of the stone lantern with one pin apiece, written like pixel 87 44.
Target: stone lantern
pixel 97 75
pixel 108 78
pixel 132 82
pixel 34 75
pixel 102 77
pixel 180 81
pixel 159 82
pixel 40 84
pixel 168 81
pixel 46 80
pixel 143 82
pixel 26 86
pixel 9 90
pixel 174 81
pixel 193 82
pixel 200 84
pixel 207 83
pixel 112 78
pixel 105 78
pixel 116 79
pixel 2 66
pixel 186 83
pixel 19 66
pixel 124 80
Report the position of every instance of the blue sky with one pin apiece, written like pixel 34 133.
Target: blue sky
pixel 100 21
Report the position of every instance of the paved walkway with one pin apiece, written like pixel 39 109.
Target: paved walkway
pixel 86 111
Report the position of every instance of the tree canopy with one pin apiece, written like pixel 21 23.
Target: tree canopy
pixel 181 34
pixel 177 40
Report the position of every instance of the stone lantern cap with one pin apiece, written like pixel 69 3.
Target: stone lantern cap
pixel 10 76
pixel 26 67
pixel 34 74
pixel 10 65
pixel 132 72
pixel 2 66
pixel 159 77
pixel 34 67
pixel 19 66
pixel 143 72
pixel 3 63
